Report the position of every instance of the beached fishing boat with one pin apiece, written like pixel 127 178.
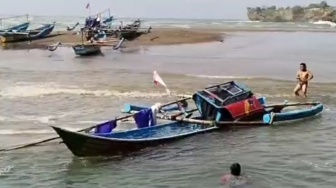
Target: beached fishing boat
pixel 97 21
pixel 88 49
pixel 22 27
pixel 17 28
pixel 35 34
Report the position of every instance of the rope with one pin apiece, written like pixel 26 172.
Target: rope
pixel 7 18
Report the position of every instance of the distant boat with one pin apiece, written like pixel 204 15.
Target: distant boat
pixel 35 34
pixel 88 49
pixel 17 28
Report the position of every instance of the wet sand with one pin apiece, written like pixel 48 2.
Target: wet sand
pixel 155 37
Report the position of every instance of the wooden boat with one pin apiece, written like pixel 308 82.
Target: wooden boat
pixel 18 28
pixel 88 49
pixel 234 102
pixel 73 27
pixel 97 21
pixel 35 34
pixel 277 117
pixel 118 143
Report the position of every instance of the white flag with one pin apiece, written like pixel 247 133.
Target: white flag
pixel 158 80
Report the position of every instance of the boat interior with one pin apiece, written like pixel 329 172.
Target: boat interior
pixel 155 132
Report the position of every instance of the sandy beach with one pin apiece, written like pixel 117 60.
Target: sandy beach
pixel 155 37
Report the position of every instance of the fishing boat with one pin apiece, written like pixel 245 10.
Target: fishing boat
pixel 104 140
pixel 234 104
pixel 219 106
pixel 119 143
pixel 17 28
pixel 35 34
pixel 99 22
pixel 88 49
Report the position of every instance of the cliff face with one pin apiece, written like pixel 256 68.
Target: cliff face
pixel 313 12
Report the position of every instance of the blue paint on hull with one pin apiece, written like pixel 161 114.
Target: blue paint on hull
pixel 86 50
pixel 123 142
pixel 293 115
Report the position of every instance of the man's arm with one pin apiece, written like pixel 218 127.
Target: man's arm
pixel 310 75
pixel 298 76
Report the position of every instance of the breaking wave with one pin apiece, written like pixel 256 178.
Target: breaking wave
pixel 331 24
pixel 40 90
pixel 12 132
pixel 220 77
pixel 42 119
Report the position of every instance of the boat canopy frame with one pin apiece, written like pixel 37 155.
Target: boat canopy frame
pixel 224 94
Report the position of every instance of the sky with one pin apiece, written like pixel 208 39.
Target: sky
pixel 198 9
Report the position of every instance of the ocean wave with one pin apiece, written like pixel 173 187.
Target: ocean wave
pixel 220 77
pixel 40 90
pixel 47 130
pixel 33 131
pixel 13 132
pixel 43 119
pixel 50 119
pixel 320 22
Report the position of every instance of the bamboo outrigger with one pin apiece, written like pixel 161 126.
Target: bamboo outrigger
pixel 89 48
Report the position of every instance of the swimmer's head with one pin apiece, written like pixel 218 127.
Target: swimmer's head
pixel 235 169
pixel 303 66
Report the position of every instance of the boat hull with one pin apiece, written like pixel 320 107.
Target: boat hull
pixel 86 50
pixel 38 33
pixel 18 28
pixel 293 115
pixel 121 143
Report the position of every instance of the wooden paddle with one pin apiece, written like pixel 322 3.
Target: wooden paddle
pixel 213 123
pixel 54 138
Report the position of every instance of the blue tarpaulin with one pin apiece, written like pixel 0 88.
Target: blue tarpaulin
pixel 144 118
pixel 106 127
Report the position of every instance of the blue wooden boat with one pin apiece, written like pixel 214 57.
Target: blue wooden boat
pixel 91 49
pixel 86 49
pixel 234 102
pixel 294 115
pixel 35 34
pixel 18 28
pixel 220 106
pixel 119 143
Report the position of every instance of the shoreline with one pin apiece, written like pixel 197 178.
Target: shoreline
pixel 156 37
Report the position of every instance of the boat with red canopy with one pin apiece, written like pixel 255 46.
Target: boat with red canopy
pixel 219 106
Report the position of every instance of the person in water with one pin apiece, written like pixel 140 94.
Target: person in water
pixel 303 76
pixel 235 169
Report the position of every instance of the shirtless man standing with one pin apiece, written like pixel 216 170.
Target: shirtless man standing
pixel 303 76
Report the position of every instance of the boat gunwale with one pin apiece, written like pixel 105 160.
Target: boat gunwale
pixel 210 128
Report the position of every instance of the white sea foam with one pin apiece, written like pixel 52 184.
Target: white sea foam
pixel 320 22
pixel 42 119
pixel 12 132
pixel 44 89
pixel 220 76
pixel 44 130
pixel 49 119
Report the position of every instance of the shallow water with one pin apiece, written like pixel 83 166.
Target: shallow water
pixel 40 88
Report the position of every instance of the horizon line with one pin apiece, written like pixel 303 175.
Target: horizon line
pixel 123 17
